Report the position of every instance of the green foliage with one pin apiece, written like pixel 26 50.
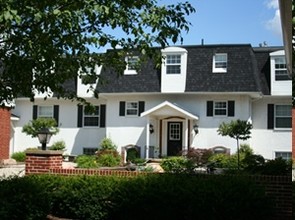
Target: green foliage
pixel 177 197
pixel 58 145
pixel 109 160
pixel 86 161
pixel 39 40
pixel 237 129
pixel 107 144
pixel 33 127
pixel 198 156
pixel 19 156
pixel 177 165
pixel 132 155
pixel 277 166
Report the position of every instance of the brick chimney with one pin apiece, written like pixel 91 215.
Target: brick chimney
pixel 4 132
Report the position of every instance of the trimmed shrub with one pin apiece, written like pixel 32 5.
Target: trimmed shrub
pixel 165 196
pixel 108 160
pixel 19 156
pixel 177 165
pixel 86 161
pixel 58 145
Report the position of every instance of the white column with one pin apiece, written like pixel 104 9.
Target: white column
pixel 147 138
pixel 186 135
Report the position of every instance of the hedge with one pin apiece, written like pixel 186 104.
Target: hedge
pixel 165 196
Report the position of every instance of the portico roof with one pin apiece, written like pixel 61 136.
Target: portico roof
pixel 167 109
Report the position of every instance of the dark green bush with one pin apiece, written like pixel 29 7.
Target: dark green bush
pixel 154 196
pixel 177 165
pixel 86 161
pixel 19 156
pixel 132 155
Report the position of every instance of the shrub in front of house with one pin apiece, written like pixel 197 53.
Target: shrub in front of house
pixel 19 156
pixel 177 165
pixel 86 161
pixel 58 145
pixel 165 196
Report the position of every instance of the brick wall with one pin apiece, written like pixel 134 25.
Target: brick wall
pixel 277 187
pixel 38 161
pixel 293 133
pixel 4 132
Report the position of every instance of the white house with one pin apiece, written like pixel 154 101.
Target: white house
pixel 196 89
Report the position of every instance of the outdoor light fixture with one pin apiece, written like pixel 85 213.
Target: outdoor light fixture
pixel 196 129
pixel 151 128
pixel 44 136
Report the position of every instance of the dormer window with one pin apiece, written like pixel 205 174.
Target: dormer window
pixel 281 69
pixel 220 63
pixel 132 65
pixel 173 64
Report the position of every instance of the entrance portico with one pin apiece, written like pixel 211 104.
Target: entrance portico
pixel 173 128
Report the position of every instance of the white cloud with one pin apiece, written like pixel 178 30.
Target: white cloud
pixel 274 24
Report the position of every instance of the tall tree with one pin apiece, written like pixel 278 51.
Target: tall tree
pixel 237 129
pixel 37 38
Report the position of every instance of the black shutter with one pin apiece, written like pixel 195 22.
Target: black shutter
pixel 270 116
pixel 140 107
pixel 35 112
pixel 209 108
pixel 102 122
pixel 122 109
pixel 56 113
pixel 80 116
pixel 231 108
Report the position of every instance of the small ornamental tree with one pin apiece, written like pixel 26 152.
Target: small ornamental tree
pixel 237 129
pixel 33 127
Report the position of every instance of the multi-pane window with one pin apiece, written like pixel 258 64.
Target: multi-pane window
pixel 45 111
pixel 283 155
pixel 174 131
pixel 281 69
pixel 220 63
pixel 173 64
pixel 132 108
pixel 91 117
pixel 283 116
pixel 220 108
pixel 132 65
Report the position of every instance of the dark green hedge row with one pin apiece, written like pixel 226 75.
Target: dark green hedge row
pixel 146 197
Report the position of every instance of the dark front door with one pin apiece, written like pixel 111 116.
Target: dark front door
pixel 174 139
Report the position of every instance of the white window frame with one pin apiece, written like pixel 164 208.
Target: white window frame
pixel 216 62
pixel 91 115
pixel 131 108
pixel 279 67
pixel 174 131
pixel 129 68
pixel 289 153
pixel 49 108
pixel 280 116
pixel 173 60
pixel 219 108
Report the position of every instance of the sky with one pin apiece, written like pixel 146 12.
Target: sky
pixel 234 22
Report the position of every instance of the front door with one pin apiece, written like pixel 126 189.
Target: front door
pixel 174 139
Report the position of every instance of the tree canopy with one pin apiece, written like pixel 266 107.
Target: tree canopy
pixel 46 43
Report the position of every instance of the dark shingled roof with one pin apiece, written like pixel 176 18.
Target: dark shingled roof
pixel 247 71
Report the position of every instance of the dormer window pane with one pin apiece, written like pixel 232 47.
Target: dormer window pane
pixel 220 63
pixel 281 69
pixel 173 63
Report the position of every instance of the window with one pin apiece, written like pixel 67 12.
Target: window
pixel 220 108
pixel 132 65
pixel 89 151
pixel 45 111
pixel 283 155
pixel 91 118
pixel 281 69
pixel 173 64
pixel 132 108
pixel 283 116
pixel 219 63
pixel 174 131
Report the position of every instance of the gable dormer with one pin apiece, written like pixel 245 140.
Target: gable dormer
pixel 173 71
pixel 281 83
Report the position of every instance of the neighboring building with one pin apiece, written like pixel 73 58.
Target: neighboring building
pixel 196 89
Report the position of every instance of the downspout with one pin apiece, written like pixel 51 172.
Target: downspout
pixel 147 138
